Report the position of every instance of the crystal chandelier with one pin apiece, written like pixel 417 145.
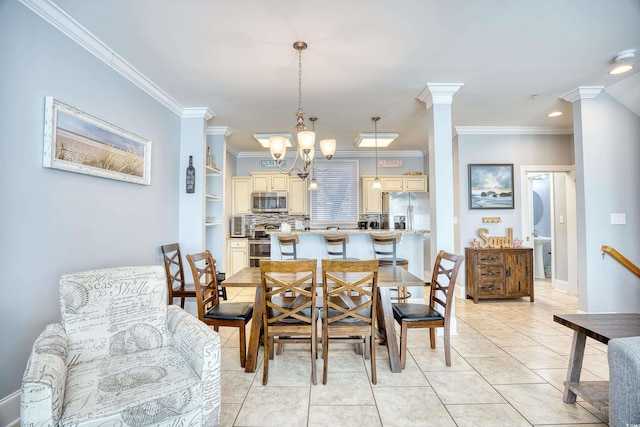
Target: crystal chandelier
pixel 306 138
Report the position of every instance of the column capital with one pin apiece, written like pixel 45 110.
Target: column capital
pixel 219 130
pixel 439 93
pixel 198 112
pixel 582 92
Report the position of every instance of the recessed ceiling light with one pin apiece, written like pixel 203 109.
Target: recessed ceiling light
pixel 368 139
pixel 620 69
pixel 555 114
pixel 263 138
pixel 623 59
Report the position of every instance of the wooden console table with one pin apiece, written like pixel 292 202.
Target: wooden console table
pixel 600 327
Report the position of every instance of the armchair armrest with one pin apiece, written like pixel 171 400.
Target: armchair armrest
pixel 200 346
pixel 44 379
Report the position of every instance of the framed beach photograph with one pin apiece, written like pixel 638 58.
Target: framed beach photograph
pixel 490 186
pixel 78 142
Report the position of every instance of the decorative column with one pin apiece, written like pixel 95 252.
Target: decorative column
pixel 589 141
pixel 438 98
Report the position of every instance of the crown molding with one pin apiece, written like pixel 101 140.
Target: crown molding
pixel 219 130
pixel 582 92
pixel 342 154
pixel 510 130
pixel 62 21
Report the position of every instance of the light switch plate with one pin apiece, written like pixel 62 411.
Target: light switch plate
pixel 618 218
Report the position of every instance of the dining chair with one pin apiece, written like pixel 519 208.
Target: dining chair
pixel 175 274
pixel 289 318
pixel 385 248
pixel 337 245
pixel 435 314
pixel 210 310
pixel 349 297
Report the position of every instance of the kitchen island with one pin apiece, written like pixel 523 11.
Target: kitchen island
pixel 412 246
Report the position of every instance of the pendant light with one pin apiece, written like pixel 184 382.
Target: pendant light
pixel 306 138
pixel 376 182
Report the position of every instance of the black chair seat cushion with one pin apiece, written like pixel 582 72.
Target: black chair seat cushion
pixel 415 313
pixel 389 261
pixel 231 311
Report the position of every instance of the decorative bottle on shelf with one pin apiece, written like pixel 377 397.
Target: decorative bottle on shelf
pixel 209 158
pixel 191 177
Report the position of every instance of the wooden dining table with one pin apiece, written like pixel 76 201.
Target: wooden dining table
pixel 388 277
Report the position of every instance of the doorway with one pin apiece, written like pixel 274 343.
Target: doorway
pixel 549 223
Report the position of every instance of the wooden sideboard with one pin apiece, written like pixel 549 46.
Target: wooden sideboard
pixel 499 273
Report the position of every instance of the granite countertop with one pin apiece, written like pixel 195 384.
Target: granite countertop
pixel 348 231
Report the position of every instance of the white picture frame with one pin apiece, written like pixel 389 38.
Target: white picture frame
pixel 78 142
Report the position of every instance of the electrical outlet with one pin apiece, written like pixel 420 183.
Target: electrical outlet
pixel 561 219
pixel 618 218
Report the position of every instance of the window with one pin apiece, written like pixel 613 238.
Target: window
pixel 336 199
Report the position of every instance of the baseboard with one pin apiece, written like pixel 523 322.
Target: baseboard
pixel 10 410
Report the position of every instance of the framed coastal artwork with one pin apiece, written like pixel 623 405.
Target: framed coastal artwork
pixel 78 142
pixel 490 186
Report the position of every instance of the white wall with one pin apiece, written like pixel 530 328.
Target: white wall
pixel 54 222
pixel 607 181
pixel 516 149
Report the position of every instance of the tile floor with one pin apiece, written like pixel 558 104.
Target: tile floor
pixel 509 360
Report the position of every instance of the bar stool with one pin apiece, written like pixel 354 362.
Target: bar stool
pixel 337 245
pixel 385 250
pixel 288 245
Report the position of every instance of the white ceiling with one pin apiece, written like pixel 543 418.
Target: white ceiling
pixel 371 57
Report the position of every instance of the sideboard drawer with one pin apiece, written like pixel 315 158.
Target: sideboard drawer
pixel 491 258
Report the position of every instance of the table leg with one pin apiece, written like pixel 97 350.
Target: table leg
pixel 387 326
pixel 254 336
pixel 575 365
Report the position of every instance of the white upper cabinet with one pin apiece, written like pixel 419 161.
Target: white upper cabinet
pixel 270 182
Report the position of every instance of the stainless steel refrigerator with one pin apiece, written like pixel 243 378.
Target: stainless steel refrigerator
pixel 397 205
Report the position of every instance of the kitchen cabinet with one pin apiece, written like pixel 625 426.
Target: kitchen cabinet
pixel 270 182
pixel 499 273
pixel 371 198
pixel 297 196
pixel 237 255
pixel 241 195
pixel 404 183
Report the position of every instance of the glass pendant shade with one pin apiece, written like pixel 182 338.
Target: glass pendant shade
pixel 306 139
pixel 328 147
pixel 313 185
pixel 277 146
pixel 376 184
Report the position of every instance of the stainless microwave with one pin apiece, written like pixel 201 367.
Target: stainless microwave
pixel 274 201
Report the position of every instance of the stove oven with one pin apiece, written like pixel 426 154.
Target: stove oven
pixel 260 244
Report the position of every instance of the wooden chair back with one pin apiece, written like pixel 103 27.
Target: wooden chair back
pixel 443 282
pixel 385 245
pixel 289 245
pixel 203 268
pixel 175 273
pixel 349 297
pixel 288 306
pixel 337 244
